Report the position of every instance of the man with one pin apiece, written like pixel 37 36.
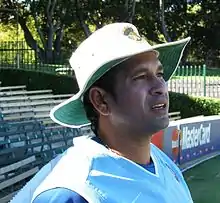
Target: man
pixel 123 94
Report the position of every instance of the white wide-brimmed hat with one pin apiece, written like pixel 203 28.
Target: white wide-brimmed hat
pixel 100 52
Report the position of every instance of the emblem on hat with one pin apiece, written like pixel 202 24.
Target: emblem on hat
pixel 128 31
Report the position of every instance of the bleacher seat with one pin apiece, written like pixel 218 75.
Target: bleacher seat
pixel 12 88
pixel 28 104
pixel 26 129
pixel 13 174
pixel 23 92
pixel 44 97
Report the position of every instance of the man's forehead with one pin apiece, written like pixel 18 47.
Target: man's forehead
pixel 141 60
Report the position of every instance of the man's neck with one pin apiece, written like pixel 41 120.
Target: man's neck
pixel 136 150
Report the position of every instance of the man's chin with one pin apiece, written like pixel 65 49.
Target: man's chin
pixel 160 124
pixel 163 122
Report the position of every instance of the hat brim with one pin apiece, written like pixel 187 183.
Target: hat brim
pixel 71 113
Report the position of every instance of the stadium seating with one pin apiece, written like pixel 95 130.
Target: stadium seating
pixel 24 92
pixel 26 130
pixel 12 175
pixel 12 88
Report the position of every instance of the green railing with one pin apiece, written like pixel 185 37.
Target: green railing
pixel 192 80
pixel 18 55
pixel 13 54
pixel 196 80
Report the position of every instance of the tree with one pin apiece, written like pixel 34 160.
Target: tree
pixel 163 22
pixel 52 17
pixel 205 31
pixel 98 13
pixel 49 18
pixel 55 27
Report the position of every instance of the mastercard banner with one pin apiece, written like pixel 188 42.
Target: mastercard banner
pixel 190 139
pixel 199 139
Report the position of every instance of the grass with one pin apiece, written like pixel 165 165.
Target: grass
pixel 204 181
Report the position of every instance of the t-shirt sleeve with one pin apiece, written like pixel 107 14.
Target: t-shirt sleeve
pixel 59 195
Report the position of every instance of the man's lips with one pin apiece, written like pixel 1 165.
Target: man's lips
pixel 160 107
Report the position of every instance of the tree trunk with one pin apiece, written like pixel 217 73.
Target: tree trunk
pixel 163 22
pixel 131 15
pixel 49 48
pixel 79 14
pixel 31 42
pixel 129 11
pixel 57 44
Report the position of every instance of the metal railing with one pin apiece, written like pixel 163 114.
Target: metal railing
pixel 196 81
pixel 192 80
pixel 18 55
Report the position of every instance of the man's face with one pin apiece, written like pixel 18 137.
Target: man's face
pixel 141 102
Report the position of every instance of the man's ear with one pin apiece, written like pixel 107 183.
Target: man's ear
pixel 98 98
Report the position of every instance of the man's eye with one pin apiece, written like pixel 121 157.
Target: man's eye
pixel 161 75
pixel 139 77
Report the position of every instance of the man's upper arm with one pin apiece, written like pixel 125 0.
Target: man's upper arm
pixel 59 195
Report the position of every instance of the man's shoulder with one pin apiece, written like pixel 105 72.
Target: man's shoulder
pixel 56 173
pixel 58 195
pixel 73 162
pixel 73 167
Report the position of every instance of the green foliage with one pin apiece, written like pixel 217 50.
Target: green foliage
pixel 56 29
pixel 203 26
pixel 43 23
pixel 37 81
pixel 13 45
pixel 213 72
pixel 9 33
pixel 193 106
pixel 12 52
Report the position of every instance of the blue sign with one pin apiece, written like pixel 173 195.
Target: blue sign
pixel 198 139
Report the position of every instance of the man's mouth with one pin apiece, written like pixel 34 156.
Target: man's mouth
pixel 159 106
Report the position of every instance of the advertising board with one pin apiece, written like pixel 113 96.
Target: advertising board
pixel 197 139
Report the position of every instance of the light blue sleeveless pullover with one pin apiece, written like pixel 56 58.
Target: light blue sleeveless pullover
pixel 101 176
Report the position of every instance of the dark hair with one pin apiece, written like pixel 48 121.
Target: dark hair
pixel 107 83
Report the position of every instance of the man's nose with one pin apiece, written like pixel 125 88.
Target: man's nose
pixel 158 88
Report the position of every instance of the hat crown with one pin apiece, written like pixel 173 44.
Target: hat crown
pixel 111 42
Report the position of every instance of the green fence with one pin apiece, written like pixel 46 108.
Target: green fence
pixel 18 55
pixel 192 80
pixel 196 81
